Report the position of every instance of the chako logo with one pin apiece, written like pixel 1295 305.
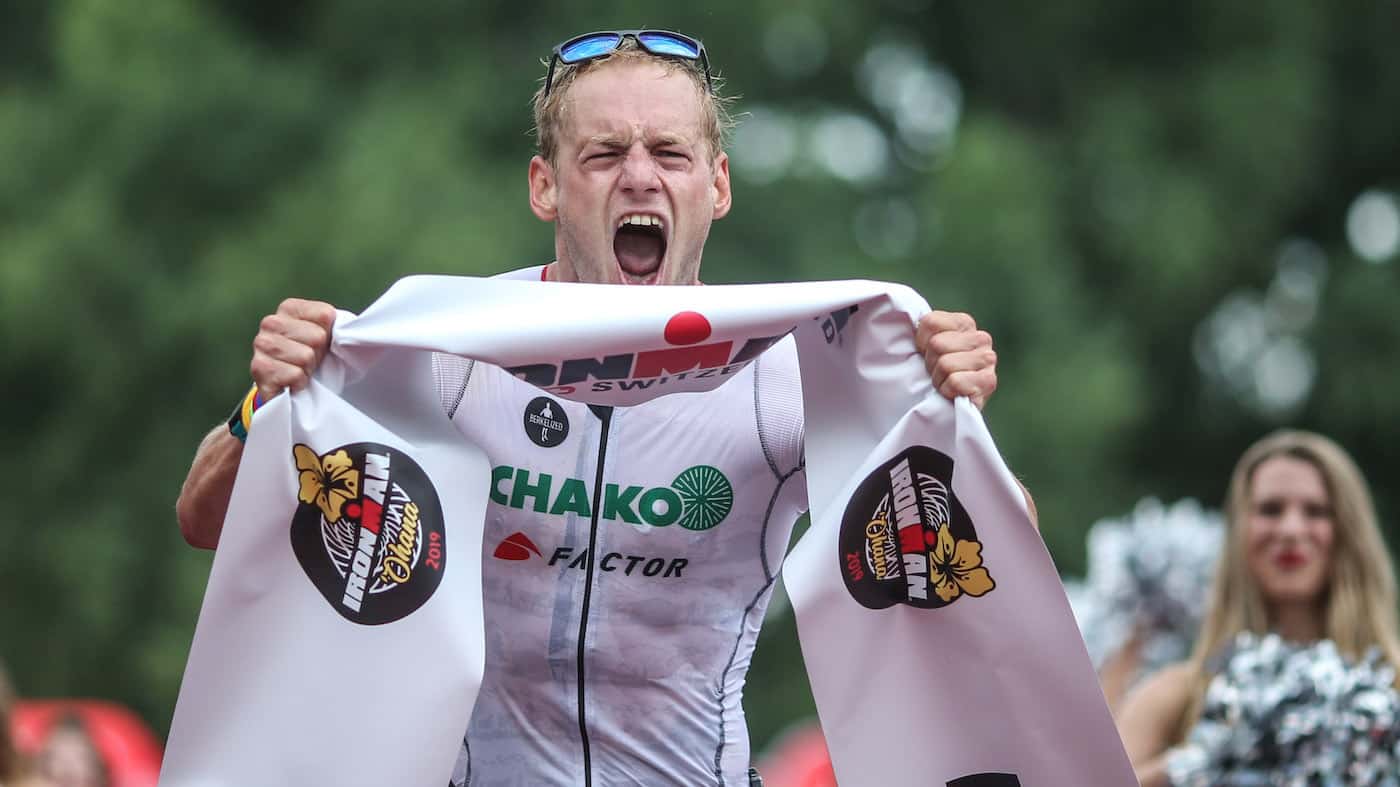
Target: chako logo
pixel 368 531
pixel 545 422
pixel 905 538
pixel 698 499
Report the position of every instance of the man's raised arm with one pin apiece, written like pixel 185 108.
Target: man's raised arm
pixel 287 349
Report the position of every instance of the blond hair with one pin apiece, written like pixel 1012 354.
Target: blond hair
pixel 551 111
pixel 1359 611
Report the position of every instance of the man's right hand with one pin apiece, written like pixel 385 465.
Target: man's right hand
pixel 290 345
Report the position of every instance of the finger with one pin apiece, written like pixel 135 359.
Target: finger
pixel 976 386
pixel 273 376
pixel 318 312
pixel 285 349
pixel 948 342
pixel 939 321
pixel 941 367
pixel 280 363
pixel 306 332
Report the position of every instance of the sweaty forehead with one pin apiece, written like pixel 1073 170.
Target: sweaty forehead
pixel 632 100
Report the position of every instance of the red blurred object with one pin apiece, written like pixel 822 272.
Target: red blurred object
pixel 798 759
pixel 128 747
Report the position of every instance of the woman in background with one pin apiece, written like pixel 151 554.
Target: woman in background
pixel 13 770
pixel 1303 559
pixel 69 756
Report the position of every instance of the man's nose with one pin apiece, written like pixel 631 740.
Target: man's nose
pixel 639 171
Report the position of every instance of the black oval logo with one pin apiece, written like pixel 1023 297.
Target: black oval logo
pixel 987 780
pixel 546 423
pixel 368 530
pixel 905 538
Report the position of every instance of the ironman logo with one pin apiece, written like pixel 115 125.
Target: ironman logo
pixel 690 355
pixel 368 530
pixel 905 538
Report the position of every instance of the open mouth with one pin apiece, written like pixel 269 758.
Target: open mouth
pixel 640 245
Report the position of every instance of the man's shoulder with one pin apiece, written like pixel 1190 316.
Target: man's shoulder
pixel 778 404
pixel 782 355
pixel 777 368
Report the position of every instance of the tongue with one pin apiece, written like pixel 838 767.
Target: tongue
pixel 638 251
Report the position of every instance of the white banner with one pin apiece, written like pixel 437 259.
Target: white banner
pixel 938 640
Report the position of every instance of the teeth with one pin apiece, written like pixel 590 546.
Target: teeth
pixel 640 220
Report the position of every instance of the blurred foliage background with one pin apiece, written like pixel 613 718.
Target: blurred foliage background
pixel 1178 219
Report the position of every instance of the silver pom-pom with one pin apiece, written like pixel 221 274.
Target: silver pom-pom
pixel 1148 576
pixel 1284 714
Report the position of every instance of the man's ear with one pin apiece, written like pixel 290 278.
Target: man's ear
pixel 544 190
pixel 724 198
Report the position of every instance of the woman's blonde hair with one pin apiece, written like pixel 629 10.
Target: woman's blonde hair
pixel 551 110
pixel 1361 596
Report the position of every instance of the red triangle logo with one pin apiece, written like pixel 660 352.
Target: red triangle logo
pixel 516 546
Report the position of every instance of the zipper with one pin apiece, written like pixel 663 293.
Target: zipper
pixel 605 417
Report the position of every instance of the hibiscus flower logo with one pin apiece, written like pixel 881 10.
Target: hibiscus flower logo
pixel 327 481
pixel 955 567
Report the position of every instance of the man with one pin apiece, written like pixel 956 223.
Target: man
pixel 619 624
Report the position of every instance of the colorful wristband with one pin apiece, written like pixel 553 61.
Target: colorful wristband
pixel 242 417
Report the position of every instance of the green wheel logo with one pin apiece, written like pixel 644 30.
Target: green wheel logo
pixel 706 497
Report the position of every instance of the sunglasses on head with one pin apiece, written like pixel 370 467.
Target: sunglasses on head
pixel 664 43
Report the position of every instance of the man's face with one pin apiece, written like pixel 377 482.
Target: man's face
pixel 635 186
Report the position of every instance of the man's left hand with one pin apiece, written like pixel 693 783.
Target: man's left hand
pixel 959 357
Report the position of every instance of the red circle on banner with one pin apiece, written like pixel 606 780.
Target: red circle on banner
pixel 687 328
pixel 352 511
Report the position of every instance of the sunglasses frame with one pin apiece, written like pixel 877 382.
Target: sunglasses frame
pixel 557 56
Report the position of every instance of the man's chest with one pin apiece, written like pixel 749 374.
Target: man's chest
pixel 681 475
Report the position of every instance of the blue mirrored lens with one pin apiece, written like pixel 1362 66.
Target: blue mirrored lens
pixel 663 44
pixel 589 47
